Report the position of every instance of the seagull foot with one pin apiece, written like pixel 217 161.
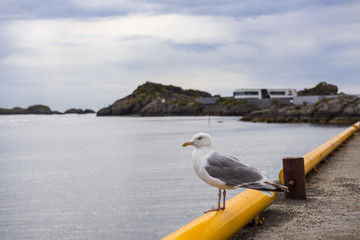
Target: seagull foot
pixel 258 221
pixel 215 209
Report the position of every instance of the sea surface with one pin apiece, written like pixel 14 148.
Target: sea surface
pixel 88 177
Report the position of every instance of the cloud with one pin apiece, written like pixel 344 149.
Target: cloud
pixel 59 43
pixel 98 59
pixel 55 9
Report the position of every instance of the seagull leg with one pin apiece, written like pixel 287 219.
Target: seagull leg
pixel 224 193
pixel 219 201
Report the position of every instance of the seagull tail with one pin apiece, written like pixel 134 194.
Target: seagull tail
pixel 278 186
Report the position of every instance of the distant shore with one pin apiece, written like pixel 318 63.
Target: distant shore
pixel 153 99
pixel 41 109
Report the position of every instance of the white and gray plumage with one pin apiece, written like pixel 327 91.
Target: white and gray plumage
pixel 225 172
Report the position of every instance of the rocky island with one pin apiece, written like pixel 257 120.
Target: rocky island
pixel 41 109
pixel 79 111
pixel 34 109
pixel 153 99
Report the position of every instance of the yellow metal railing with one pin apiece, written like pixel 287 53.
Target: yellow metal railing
pixel 315 156
pixel 240 210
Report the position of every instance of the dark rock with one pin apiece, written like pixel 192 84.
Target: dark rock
pixel 35 109
pixel 104 111
pixel 322 88
pixel 78 111
pixel 39 109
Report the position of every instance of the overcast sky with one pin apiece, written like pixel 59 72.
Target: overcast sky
pixel 89 53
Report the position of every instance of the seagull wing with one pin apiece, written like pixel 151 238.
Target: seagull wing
pixel 234 173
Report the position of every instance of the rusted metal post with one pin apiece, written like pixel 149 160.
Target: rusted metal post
pixel 294 177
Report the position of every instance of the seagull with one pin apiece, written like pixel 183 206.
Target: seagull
pixel 225 172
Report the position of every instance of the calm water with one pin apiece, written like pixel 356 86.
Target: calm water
pixel 86 177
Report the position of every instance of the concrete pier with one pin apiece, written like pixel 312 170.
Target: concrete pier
pixel 332 208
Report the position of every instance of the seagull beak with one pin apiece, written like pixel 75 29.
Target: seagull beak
pixel 187 143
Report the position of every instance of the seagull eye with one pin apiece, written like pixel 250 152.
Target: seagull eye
pixel 199 138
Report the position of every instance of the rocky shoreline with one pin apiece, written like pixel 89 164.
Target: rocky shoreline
pixel 342 109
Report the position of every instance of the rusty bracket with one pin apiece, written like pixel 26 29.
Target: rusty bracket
pixel 294 177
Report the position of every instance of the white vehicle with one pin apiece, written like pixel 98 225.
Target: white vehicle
pixel 264 93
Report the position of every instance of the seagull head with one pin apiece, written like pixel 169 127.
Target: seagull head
pixel 199 140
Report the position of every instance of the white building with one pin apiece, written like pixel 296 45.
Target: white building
pixel 264 93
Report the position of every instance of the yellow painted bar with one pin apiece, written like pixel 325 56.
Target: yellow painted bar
pixel 240 210
pixel 315 156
